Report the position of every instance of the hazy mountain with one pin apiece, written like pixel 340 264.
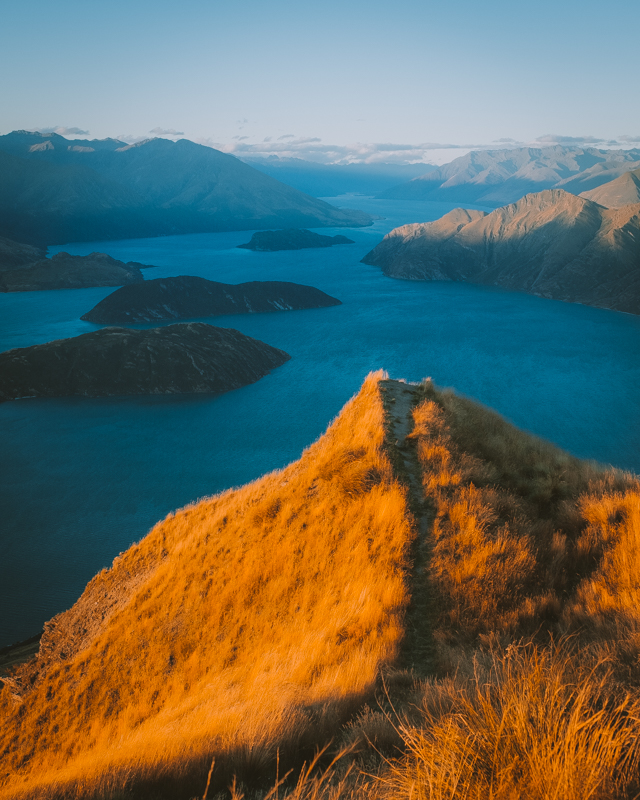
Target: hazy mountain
pixel 402 559
pixel 497 177
pixel 552 244
pixel 623 191
pixel 54 190
pixel 188 296
pixel 291 239
pixel 177 359
pixel 329 180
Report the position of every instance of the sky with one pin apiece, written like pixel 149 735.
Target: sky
pixel 332 81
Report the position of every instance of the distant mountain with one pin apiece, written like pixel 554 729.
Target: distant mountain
pixel 330 180
pixel 188 296
pixel 63 271
pixel 498 177
pixel 176 359
pixel 291 239
pixel 623 191
pixel 53 190
pixel 552 244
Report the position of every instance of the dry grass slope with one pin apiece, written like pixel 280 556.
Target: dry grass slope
pixel 241 624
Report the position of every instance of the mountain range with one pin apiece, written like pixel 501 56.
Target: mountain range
pixel 329 180
pixel 53 190
pixel 497 177
pixel 551 243
pixel 622 191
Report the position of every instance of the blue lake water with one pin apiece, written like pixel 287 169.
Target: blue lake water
pixel 84 478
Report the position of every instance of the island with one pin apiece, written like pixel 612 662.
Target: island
pixel 188 296
pixel 551 243
pixel 64 271
pixel 291 239
pixel 185 358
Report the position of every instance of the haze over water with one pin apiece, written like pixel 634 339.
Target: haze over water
pixel 84 478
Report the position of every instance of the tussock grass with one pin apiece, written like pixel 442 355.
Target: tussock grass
pixel 248 622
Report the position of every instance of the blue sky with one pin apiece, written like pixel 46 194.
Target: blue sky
pixel 404 72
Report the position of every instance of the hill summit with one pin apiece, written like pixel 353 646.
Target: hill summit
pixel 413 546
pixel 551 243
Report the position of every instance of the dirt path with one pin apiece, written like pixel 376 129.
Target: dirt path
pixel 399 401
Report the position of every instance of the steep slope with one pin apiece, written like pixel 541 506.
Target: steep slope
pixel 422 530
pixel 552 244
pixel 182 358
pixel 497 177
pixel 623 191
pixel 246 622
pixel 189 296
pixel 64 271
pixel 173 187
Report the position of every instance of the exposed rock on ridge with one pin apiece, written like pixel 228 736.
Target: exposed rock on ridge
pixel 552 244
pixel 183 358
pixel 189 296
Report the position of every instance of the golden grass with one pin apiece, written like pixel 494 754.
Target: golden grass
pixel 238 625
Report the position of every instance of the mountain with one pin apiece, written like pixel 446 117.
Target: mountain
pixel 623 191
pixel 64 271
pixel 498 177
pixel 177 359
pixel 552 244
pixel 187 296
pixel 330 180
pixel 422 546
pixel 14 255
pixel 291 239
pixel 53 190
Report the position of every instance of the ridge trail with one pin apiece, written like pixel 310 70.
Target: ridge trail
pixel 399 399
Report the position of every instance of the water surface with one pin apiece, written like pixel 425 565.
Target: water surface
pixel 84 478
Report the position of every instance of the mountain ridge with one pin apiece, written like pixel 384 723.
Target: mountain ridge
pixel 551 243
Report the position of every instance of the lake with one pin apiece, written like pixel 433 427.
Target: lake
pixel 84 478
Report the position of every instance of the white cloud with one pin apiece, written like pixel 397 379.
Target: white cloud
pixel 631 139
pixel 166 132
pixel 62 131
pixel 554 138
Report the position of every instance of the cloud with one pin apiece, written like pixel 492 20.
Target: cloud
pixel 313 149
pixel 62 131
pixel 629 138
pixel 166 132
pixel 553 138
pixel 506 141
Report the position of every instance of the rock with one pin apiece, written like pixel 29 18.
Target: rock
pixel 551 244
pixel 63 271
pixel 291 239
pixel 176 359
pixel 187 297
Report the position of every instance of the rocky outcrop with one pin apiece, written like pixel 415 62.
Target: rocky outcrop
pixel 495 177
pixel 14 255
pixel 623 191
pixel 106 189
pixel 188 296
pixel 64 271
pixel 176 359
pixel 551 244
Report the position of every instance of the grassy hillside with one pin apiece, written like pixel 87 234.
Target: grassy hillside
pixel 450 600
